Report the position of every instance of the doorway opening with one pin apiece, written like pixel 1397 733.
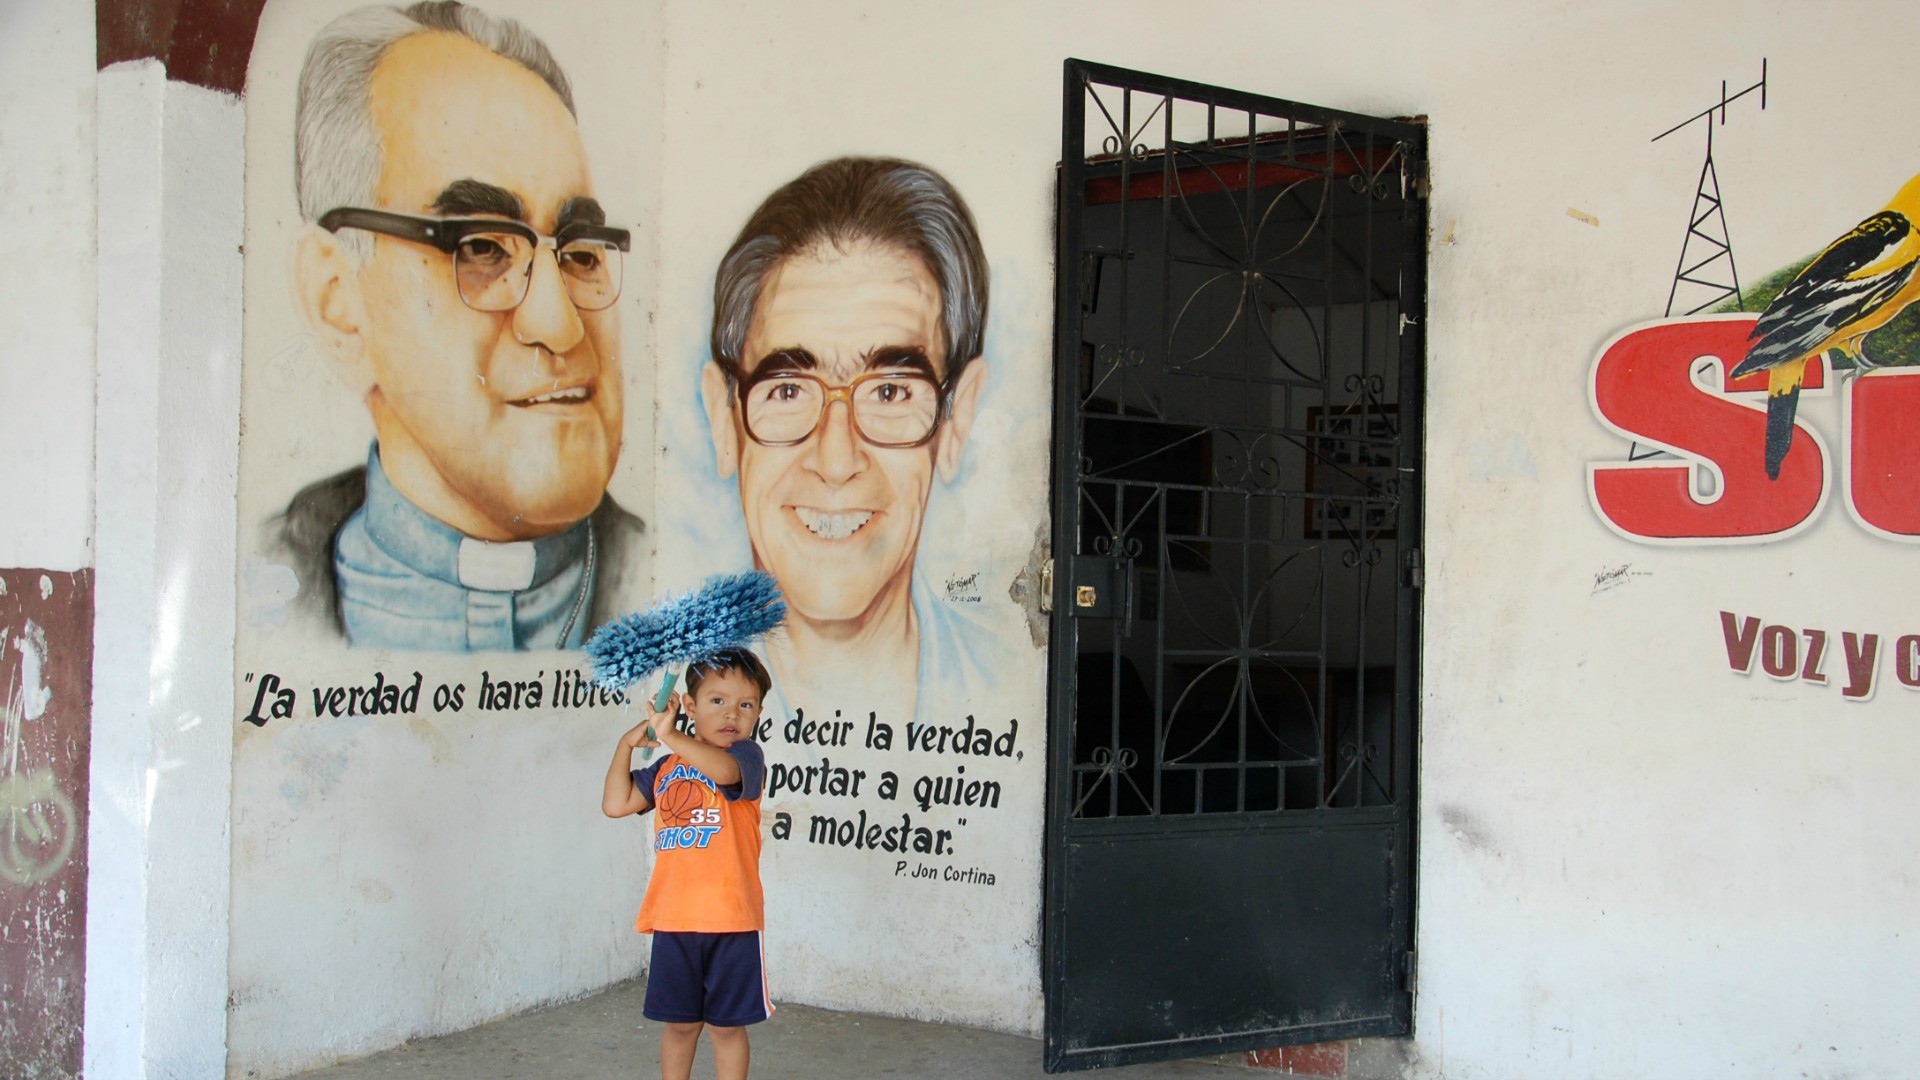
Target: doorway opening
pixel 1236 528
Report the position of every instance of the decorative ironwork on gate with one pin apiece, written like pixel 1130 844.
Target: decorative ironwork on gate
pixel 1236 532
pixel 1243 464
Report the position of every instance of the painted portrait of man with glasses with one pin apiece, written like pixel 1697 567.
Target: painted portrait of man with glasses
pixel 461 276
pixel 849 322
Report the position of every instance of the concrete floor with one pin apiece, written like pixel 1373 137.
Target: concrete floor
pixel 605 1036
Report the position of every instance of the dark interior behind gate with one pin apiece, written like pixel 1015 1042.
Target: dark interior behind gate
pixel 1237 533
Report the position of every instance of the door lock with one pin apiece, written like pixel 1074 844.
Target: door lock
pixel 1097 586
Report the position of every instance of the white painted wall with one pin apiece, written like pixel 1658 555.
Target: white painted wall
pixel 47 284
pixel 1633 862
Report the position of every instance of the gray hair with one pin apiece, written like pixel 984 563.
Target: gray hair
pixel 850 199
pixel 336 154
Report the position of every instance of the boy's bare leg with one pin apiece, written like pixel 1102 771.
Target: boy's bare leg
pixel 677 1044
pixel 730 1052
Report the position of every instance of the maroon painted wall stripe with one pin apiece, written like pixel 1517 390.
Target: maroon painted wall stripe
pixel 46 705
pixel 204 42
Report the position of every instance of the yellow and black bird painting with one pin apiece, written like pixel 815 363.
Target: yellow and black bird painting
pixel 1854 287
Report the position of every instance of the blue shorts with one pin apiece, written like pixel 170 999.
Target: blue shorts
pixel 718 979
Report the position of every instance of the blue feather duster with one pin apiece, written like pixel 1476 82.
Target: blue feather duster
pixel 727 612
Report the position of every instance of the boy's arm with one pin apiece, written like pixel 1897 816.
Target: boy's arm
pixel 753 772
pixel 717 765
pixel 622 796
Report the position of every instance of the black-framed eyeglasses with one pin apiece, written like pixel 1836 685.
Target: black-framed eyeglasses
pixel 892 408
pixel 493 257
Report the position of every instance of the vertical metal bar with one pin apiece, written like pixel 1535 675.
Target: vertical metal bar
pixel 1066 510
pixel 1122 358
pixel 1162 723
pixel 1116 649
pixel 1160 661
pixel 1370 407
pixel 1407 653
pixel 1170 179
pixel 1249 306
pixel 1249 274
pixel 1126 233
pixel 1412 428
pixel 1250 337
pixel 1169 183
pixel 1363 583
pixel 1366 269
pixel 1321 775
pixel 1122 383
pixel 1324 722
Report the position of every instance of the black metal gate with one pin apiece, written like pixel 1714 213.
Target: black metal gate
pixel 1236 530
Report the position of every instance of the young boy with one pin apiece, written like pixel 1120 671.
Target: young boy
pixel 703 904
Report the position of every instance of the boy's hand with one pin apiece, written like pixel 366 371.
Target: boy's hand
pixel 637 736
pixel 621 797
pixel 646 734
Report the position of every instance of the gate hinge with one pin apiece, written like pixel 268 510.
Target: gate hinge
pixel 1046 587
pixel 1416 572
pixel 1413 177
pixel 1408 968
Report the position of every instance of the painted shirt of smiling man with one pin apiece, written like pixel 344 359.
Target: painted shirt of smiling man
pixel 849 321
pixel 461 277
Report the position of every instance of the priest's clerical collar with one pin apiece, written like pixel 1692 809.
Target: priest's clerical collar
pixel 431 547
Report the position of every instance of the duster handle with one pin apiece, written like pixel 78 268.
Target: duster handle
pixel 659 702
pixel 666 691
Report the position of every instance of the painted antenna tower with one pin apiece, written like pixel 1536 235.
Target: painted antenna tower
pixel 1708 281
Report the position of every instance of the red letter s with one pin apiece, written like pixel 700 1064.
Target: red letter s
pixel 1643 388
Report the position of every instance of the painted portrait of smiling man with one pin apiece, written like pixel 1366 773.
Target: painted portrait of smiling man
pixel 460 274
pixel 849 321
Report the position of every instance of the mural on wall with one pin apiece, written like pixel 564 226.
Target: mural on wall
pixel 445 486
pixel 860 284
pixel 455 274
pixel 1716 396
pixel 458 275
pixel 847 370
pixel 444 467
pixel 46 665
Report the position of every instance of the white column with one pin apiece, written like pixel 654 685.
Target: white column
pixel 170 180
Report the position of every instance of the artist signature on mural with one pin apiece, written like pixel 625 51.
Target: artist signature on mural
pixel 1615 576
pixel 964 590
pixel 36 817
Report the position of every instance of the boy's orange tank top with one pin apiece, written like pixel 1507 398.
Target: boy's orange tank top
pixel 706 855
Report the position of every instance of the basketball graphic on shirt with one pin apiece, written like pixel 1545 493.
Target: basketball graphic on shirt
pixel 679 801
